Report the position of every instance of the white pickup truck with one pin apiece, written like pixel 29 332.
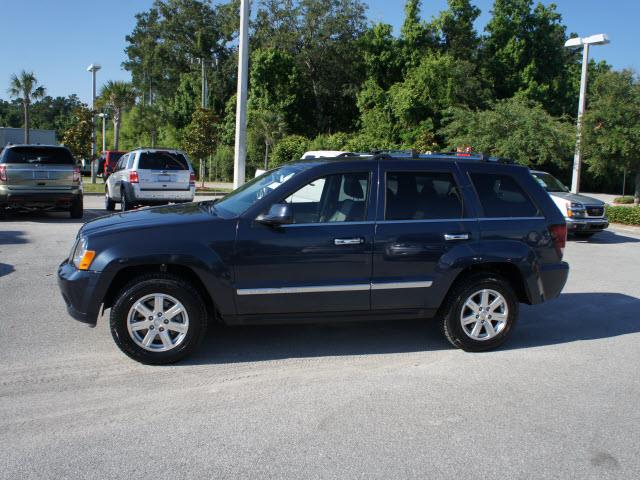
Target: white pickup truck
pixel 584 215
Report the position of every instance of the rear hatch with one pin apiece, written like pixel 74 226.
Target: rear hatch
pixel 163 170
pixel 36 167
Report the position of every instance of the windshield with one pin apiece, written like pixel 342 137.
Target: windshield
pixel 238 201
pixel 549 182
pixel 40 155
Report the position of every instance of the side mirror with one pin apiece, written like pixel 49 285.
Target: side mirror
pixel 279 214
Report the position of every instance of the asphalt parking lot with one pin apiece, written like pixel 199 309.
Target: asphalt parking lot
pixel 370 400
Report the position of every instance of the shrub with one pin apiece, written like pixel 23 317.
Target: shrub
pixel 626 199
pixel 626 215
pixel 289 148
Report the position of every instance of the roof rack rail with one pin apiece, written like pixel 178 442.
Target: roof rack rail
pixel 481 157
pixel 154 148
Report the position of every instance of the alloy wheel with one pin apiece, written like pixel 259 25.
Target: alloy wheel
pixel 158 322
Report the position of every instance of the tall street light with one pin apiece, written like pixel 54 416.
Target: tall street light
pixel 240 151
pixel 93 68
pixel 104 117
pixel 600 39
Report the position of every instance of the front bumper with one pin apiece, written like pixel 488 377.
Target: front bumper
pixel 33 199
pixel 79 289
pixel 587 224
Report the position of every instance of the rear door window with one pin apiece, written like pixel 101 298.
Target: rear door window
pixel 501 196
pixel 162 161
pixel 38 155
pixel 422 196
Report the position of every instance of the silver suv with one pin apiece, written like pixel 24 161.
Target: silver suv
pixel 40 177
pixel 149 176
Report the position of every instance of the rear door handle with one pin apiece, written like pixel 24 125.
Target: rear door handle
pixel 348 241
pixel 456 236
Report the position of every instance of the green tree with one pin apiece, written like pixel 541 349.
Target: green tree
pixel 117 96
pixel 276 85
pixel 516 128
pixel 77 137
pixel 611 131
pixel 382 55
pixel 201 137
pixel 25 88
pixel 458 36
pixel 524 52
pixel 417 36
pixel 289 148
pixel 439 82
pixel 322 36
pixel 270 126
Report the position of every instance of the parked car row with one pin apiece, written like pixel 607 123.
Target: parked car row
pixel 48 178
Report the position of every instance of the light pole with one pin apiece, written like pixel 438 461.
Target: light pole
pixel 240 151
pixel 104 117
pixel 93 68
pixel 600 39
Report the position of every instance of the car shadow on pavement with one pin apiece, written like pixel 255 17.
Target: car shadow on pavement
pixel 607 237
pixel 571 317
pixel 12 237
pixel 55 217
pixel 574 317
pixel 6 269
pixel 276 342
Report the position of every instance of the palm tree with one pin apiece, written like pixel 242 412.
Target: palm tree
pixel 24 87
pixel 117 96
pixel 270 126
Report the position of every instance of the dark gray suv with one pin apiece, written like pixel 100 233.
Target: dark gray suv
pixel 40 177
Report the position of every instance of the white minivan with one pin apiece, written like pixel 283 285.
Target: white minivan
pixel 150 176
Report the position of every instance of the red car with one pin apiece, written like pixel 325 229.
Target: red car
pixel 108 162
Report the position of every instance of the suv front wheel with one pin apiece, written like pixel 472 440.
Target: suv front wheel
pixel 158 319
pixel 480 313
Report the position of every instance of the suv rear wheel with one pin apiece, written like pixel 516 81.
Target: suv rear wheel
pixel 124 201
pixel 158 319
pixel 109 204
pixel 480 313
pixel 77 208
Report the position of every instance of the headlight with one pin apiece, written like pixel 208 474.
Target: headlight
pixel 81 257
pixel 575 209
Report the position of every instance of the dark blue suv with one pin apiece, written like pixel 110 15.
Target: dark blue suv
pixel 461 239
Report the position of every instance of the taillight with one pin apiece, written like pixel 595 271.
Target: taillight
pixel 3 173
pixel 76 174
pixel 192 179
pixel 133 177
pixel 559 235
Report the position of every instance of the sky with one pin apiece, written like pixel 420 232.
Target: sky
pixel 58 39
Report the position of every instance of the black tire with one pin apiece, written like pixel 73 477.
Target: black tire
pixel 451 317
pixel 77 208
pixel 125 205
pixel 109 204
pixel 168 285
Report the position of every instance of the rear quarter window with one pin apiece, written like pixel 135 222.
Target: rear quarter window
pixel 502 197
pixel 162 161
pixel 37 155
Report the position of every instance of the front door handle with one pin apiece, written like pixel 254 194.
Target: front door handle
pixel 456 236
pixel 348 241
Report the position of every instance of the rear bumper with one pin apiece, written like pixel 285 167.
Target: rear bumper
pixel 80 293
pixel 587 224
pixel 37 198
pixel 150 197
pixel 553 278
